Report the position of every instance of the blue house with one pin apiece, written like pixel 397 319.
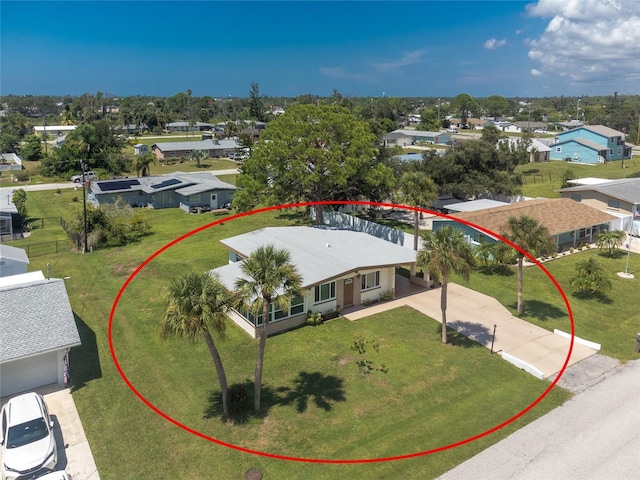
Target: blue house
pixel 590 144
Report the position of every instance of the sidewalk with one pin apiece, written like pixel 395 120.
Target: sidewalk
pixel 474 315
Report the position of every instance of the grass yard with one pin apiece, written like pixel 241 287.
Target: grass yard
pixel 611 320
pixel 318 405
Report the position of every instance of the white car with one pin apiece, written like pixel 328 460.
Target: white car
pixel 452 130
pixel 26 436
pixel 87 176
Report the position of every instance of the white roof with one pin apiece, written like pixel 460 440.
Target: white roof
pixel 475 205
pixel 319 253
pixel 59 128
pixel 13 253
pixel 21 278
pixel 588 181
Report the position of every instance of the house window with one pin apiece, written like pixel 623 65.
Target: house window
pixel 325 292
pixel 559 149
pixel 576 196
pixel 194 199
pixel 619 151
pixel 370 280
pixel 296 308
pixel 613 203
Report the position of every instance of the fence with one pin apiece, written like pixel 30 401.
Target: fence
pixel 46 248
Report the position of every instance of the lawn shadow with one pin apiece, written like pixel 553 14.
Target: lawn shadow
pixel 500 270
pixel 599 297
pixel 299 216
pixel 617 253
pixel 323 390
pixel 84 361
pixel 541 310
pixel 467 334
pixel 241 403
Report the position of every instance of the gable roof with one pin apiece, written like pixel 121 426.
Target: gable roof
pixel 35 318
pixel 625 189
pixel 182 183
pixel 13 253
pixel 559 215
pixel 603 130
pixel 582 141
pixel 208 144
pixel 319 253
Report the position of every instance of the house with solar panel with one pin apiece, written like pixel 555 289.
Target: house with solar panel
pixel 200 191
pixel 590 144
pixel 211 147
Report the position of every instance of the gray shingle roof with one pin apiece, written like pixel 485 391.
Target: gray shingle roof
pixel 225 144
pixel 319 253
pixel 189 184
pixel 35 318
pixel 603 130
pixel 626 189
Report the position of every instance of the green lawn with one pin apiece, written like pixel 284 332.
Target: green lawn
pixel 432 395
pixel 612 320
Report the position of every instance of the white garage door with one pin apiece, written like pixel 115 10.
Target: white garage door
pixel 27 374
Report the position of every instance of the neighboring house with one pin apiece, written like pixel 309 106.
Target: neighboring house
pixel 213 148
pixel 8 214
pixel 339 268
pixel 401 137
pixel 13 261
pixel 140 149
pixel 527 126
pixel 564 126
pixel 10 161
pixel 189 127
pixel 37 330
pixel 473 205
pixel 178 190
pixel 56 130
pixel 617 197
pixel 477 123
pixel 131 128
pixel 538 151
pixel 569 223
pixel 592 144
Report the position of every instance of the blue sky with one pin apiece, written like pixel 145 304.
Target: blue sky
pixel 393 48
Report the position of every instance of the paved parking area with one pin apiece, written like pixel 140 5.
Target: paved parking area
pixel 74 452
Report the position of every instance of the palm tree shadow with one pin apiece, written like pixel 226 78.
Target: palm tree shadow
pixel 617 253
pixel 467 334
pixel 323 390
pixel 541 310
pixel 600 297
pixel 500 270
pixel 240 403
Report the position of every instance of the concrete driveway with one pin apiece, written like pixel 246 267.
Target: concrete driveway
pixel 474 315
pixel 74 453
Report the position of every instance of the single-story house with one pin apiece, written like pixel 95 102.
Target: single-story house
pixel 10 161
pixel 213 148
pixel 473 205
pixel 524 126
pixel 8 214
pixel 400 137
pixel 56 130
pixel 590 144
pixel 13 261
pixel 189 127
pixel 187 191
pixel 443 202
pixel 140 149
pixel 569 223
pixel 339 268
pixel 37 330
pixel 617 197
pixel 564 126
pixel 538 151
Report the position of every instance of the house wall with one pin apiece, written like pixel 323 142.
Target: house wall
pixel 574 150
pixel 614 145
pixel 599 201
pixel 9 266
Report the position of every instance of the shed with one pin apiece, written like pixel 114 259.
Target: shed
pixel 13 261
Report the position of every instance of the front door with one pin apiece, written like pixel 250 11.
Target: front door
pixel 348 292
pixel 214 201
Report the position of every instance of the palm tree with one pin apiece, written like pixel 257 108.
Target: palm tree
pixel 445 251
pixel 196 305
pixel 533 237
pixel 418 190
pixel 269 279
pixel 610 240
pixel 486 253
pixel 197 155
pixel 141 164
pixel 589 277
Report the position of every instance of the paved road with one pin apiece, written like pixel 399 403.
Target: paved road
pixel 595 435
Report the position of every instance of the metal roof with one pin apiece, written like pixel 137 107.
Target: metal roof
pixel 6 201
pixel 208 144
pixel 319 253
pixel 626 189
pixel 475 205
pixel 13 253
pixel 35 318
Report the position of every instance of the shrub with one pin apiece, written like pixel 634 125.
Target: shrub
pixel 22 176
pixel 314 319
pixel 74 199
pixel 386 296
pixel 554 255
pixel 571 250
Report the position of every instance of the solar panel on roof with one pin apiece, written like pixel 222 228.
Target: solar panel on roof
pixel 166 183
pixel 110 186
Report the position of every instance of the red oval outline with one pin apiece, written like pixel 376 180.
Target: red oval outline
pixel 337 461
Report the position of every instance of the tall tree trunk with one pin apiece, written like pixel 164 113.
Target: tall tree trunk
pixel 257 382
pixel 416 227
pixel 319 210
pixel 222 378
pixel 443 306
pixel 520 275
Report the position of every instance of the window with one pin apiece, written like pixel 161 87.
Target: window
pixel 576 196
pixel 325 292
pixel 194 199
pixel 613 203
pixel 370 280
pixel 296 308
pixel 559 149
pixel 619 151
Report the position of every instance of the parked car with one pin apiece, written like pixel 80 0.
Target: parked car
pixel 26 437
pixel 87 175
pixel 539 131
pixel 59 475
pixel 452 130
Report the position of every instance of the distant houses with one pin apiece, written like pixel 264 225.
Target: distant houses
pixel 212 148
pixel 405 138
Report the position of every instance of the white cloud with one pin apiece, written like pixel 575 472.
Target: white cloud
pixel 535 72
pixel 493 43
pixel 408 58
pixel 588 41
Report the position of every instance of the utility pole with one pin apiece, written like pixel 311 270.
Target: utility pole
pixel 83 166
pixel 578 110
pixel 438 113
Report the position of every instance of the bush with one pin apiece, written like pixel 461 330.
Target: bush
pixel 554 255
pixel 571 250
pixel 314 319
pixel 74 199
pixel 386 296
pixel 22 176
